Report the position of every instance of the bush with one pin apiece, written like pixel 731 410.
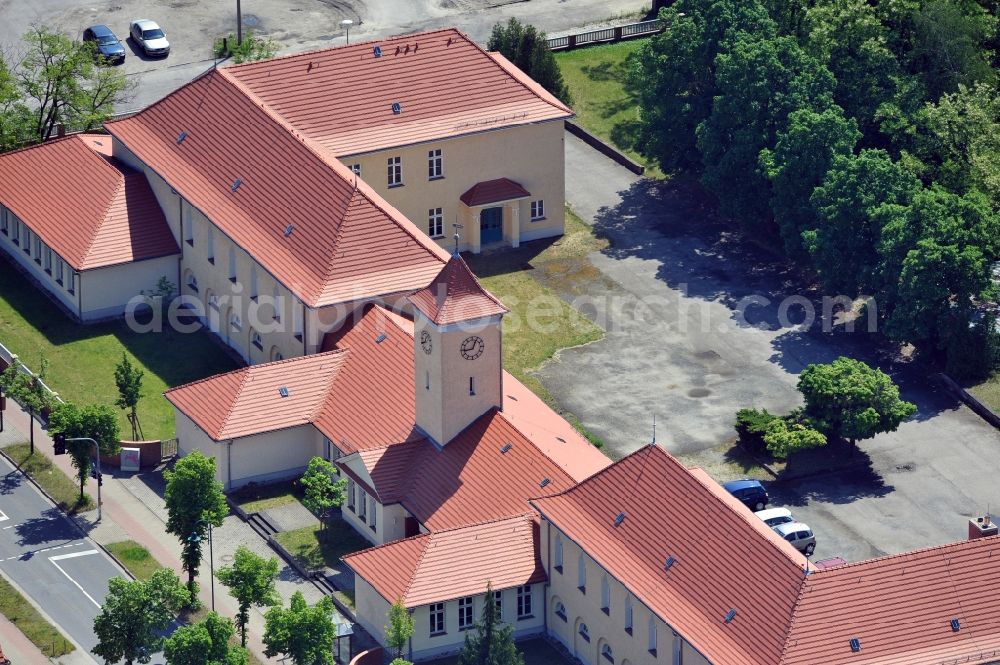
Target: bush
pixel 751 425
pixel 974 354
pixel 252 48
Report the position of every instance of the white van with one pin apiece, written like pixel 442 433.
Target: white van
pixel 775 516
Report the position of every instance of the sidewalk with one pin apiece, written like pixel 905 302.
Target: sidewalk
pixel 133 509
pixel 17 647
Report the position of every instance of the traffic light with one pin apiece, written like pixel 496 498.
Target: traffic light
pixel 100 479
pixel 59 443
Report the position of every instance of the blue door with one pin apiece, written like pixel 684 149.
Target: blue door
pixel 491 225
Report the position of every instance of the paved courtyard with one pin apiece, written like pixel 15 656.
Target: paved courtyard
pixel 693 315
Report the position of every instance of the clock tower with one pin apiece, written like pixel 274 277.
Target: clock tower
pixel 457 360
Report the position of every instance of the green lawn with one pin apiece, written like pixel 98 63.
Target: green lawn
pixel 536 652
pixel 22 614
pixel 595 76
pixel 60 487
pixel 135 558
pixel 316 548
pixel 82 358
pixel 262 497
pixel 988 392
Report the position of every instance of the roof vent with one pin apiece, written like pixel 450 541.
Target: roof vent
pixel 669 563
pixel 545 481
pixel 619 519
pixel 181 137
pixel 855 645
pixel 955 625
pixel 236 185
pixel 730 615
pixel 506 448
pixel 283 391
pixel 381 338
pixel 377 51
pixel 398 49
pixel 397 108
pixel 289 229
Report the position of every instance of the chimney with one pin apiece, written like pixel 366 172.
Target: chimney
pixel 981 527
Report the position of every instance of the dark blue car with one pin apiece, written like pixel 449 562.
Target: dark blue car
pixel 107 46
pixel 750 493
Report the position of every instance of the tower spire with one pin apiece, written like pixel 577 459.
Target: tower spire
pixel 457 235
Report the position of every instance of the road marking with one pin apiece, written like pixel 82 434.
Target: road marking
pixel 53 559
pixel 3 516
pixel 8 527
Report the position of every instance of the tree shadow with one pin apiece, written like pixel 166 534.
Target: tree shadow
pixel 11 482
pixel 607 70
pixel 47 528
pixel 854 478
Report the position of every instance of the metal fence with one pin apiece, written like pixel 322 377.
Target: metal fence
pixel 7 358
pixel 607 35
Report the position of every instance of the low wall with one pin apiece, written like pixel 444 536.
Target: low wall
pixel 981 409
pixel 604 148
pixel 149 453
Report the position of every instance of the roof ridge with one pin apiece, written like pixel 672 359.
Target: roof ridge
pixel 527 438
pixel 249 368
pixel 32 146
pixel 957 544
pixel 232 406
pixel 416 566
pixel 328 388
pixel 594 475
pixel 562 106
pixel 120 188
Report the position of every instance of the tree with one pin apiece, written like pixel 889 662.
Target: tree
pixel 251 582
pixel 802 155
pixel 399 630
pixel 491 644
pixel 786 436
pixel 758 83
pixel 948 45
pixel 194 500
pixel 672 76
pixel 128 379
pixel 323 489
pixel 400 661
pixel 134 615
pixel 27 389
pixel 527 48
pixel 846 398
pixel 93 421
pixel 204 643
pixel 15 116
pixel 304 634
pixel 844 243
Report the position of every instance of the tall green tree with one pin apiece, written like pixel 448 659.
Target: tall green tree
pixel 304 634
pixel 324 488
pixel 131 622
pixel 399 630
pixel 527 48
pixel 673 74
pixel 93 421
pixel 759 83
pixel 844 243
pixel 802 155
pixel 15 116
pixel 847 398
pixel 204 643
pixel 251 582
pixel 490 643
pixel 27 389
pixel 194 500
pixel 948 45
pixel 128 380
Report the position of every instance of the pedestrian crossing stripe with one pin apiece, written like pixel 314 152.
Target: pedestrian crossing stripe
pixel 3 516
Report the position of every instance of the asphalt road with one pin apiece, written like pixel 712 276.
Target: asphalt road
pixel 42 553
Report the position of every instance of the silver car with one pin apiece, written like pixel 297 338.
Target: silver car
pixel 799 535
pixel 148 35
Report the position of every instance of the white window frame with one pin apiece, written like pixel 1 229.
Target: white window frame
pixel 210 245
pixel 71 281
pixel 253 282
pixel 435 164
pixel 27 241
pixel 256 339
pixel 356 169
pixel 192 282
pixel 351 485
pixel 59 270
pixel 277 303
pixel 498 603
pixel 628 614
pixel 559 553
pixel 607 653
pixel 372 513
pixel 15 232
pixel 232 265
pixel 37 250
pixel 560 610
pixel 524 602
pixel 581 574
pixel 4 221
pixel 395 171
pixel 437 619
pixel 537 210
pixel 651 640
pixel 362 504
pixel 235 322
pixel 48 259
pixel 188 223
pixel 435 222
pixel 466 613
pixel 605 595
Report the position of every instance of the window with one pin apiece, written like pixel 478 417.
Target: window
pixel 59 270
pixel 27 241
pixel 38 250
pixel 437 618
pixel 607 654
pixel 560 610
pixel 628 614
pixel 498 602
pixel 524 602
pixel 277 304
pixel 235 322
pixel 584 632
pixel 652 636
pixel 465 613
pixel 559 554
pixel 356 168
pixel 276 354
pixel 472 385
pixel 4 222
pixel 362 504
pixel 350 495
pixel 395 171
pixel 188 224
pixel 232 265
pixel 253 283
pixel 15 231
pixel 210 245
pixel 581 575
pixel 192 282
pixel 372 513
pixel 537 210
pixel 213 301
pixel 71 281
pixel 434 169
pixel 298 313
pixel 435 223
pixel 256 340
pixel 605 595
pixel 48 260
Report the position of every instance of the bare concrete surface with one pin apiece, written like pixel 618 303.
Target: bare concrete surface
pixel 297 25
pixel 694 333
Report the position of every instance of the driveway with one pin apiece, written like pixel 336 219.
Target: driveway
pixel 699 325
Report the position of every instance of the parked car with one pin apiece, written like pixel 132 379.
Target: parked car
pixel 148 35
pixel 775 516
pixel 799 535
pixel 107 46
pixel 750 493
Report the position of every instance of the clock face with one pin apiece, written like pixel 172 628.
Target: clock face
pixel 472 347
pixel 425 342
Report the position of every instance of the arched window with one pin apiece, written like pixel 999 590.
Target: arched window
pixel 605 595
pixel 607 653
pixel 559 553
pixel 581 574
pixel 560 610
pixel 256 340
pixel 584 631
pixel 235 322
pixel 276 354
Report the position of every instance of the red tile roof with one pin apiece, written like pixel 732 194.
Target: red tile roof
pixel 722 561
pixel 445 84
pixel 454 563
pixel 345 242
pixel 456 295
pixel 493 191
pixel 92 211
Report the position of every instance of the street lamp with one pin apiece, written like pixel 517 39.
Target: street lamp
pixel 195 537
pixel 346 25
pixel 100 478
